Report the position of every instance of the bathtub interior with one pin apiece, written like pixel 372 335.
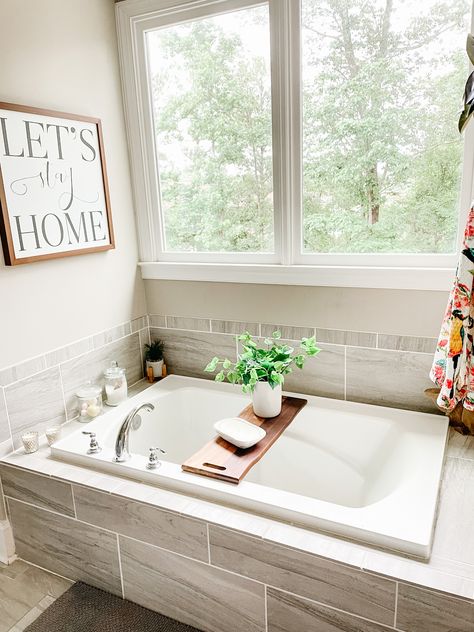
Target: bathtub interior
pixel 327 454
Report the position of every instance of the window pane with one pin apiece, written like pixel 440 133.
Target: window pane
pixel 382 85
pixel 212 111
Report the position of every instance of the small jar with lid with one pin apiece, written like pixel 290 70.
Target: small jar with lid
pixel 89 400
pixel 115 385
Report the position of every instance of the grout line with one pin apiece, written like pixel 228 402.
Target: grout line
pixel 73 500
pixel 396 606
pixel 266 607
pixel 120 566
pixel 63 394
pixel 345 373
pixel 3 501
pixel 8 417
pixel 46 570
pixel 208 543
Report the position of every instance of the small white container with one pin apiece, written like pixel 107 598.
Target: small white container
pixel 30 442
pixel 266 400
pixel 239 432
pixel 53 434
pixel 157 368
pixel 116 390
pixel 89 401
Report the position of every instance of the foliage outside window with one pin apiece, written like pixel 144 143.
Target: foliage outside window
pixel 288 132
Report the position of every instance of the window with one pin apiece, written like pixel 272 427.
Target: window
pixel 211 96
pixel 381 151
pixel 314 141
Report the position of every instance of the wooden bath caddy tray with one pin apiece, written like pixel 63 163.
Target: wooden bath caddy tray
pixel 226 462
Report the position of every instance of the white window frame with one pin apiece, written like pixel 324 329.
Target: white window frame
pixel 288 264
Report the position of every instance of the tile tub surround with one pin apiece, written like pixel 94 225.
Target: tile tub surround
pixel 39 393
pixel 360 366
pixel 224 570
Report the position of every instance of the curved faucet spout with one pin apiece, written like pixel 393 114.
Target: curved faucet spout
pixel 122 452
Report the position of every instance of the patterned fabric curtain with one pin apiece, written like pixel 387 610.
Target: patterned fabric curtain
pixel 453 366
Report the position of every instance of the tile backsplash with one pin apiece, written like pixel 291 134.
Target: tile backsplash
pixel 40 392
pixel 371 367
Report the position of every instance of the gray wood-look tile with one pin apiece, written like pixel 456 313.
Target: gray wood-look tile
pixel 42 491
pixel 456 511
pixel 70 351
pixel 110 335
pixel 322 375
pixel 289 613
pixel 157 321
pixel 288 332
pixel 187 352
pixel 341 337
pixel 234 327
pixel 22 370
pixel 139 323
pixel 91 366
pixel 143 522
pixel 22 589
pixel 306 575
pixel 389 378
pixel 192 592
pixel 425 611
pixel 66 546
pixel 418 344
pixel 35 403
pixel 185 322
pixel 4 427
pixel 461 446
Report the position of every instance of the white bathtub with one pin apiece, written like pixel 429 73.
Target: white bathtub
pixel 363 472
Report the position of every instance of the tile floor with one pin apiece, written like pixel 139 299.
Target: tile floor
pixel 25 591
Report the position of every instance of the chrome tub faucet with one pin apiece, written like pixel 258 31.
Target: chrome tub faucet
pixel 131 421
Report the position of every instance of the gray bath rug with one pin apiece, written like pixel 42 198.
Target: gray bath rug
pixel 86 609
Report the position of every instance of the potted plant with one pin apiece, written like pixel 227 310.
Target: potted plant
pixel 262 370
pixel 154 357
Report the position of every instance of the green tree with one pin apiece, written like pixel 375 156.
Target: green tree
pixel 213 99
pixel 382 81
pixel 381 150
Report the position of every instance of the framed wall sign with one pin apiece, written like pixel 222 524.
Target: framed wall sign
pixel 53 185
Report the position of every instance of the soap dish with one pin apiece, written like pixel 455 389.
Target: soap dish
pixel 239 432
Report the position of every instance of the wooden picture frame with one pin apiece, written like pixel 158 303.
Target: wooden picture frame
pixel 54 193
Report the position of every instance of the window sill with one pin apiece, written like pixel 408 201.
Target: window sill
pixel 436 279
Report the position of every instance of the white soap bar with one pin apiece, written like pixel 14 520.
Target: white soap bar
pixel 239 432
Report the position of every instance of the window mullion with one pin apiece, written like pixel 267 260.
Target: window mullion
pixel 286 106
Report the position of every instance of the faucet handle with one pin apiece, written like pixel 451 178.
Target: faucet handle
pixel 153 461
pixel 94 447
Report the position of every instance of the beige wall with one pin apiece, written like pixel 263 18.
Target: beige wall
pixel 388 311
pixel 62 54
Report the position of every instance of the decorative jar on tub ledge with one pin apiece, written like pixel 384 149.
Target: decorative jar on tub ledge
pixel 115 385
pixel 89 401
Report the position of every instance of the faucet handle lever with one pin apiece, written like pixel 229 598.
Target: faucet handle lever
pixel 153 461
pixel 94 447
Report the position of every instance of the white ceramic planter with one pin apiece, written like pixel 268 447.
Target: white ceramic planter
pixel 156 366
pixel 266 400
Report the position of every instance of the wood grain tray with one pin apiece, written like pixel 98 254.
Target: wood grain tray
pixel 226 462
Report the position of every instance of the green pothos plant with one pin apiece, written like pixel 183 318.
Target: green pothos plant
pixel 269 363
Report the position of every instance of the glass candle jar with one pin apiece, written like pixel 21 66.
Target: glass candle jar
pixel 89 401
pixel 115 385
pixel 30 442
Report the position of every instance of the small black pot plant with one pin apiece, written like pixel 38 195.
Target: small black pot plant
pixel 261 370
pixel 154 357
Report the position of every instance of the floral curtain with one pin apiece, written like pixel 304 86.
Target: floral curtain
pixel 453 365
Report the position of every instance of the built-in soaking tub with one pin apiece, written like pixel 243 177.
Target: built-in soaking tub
pixel 355 470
